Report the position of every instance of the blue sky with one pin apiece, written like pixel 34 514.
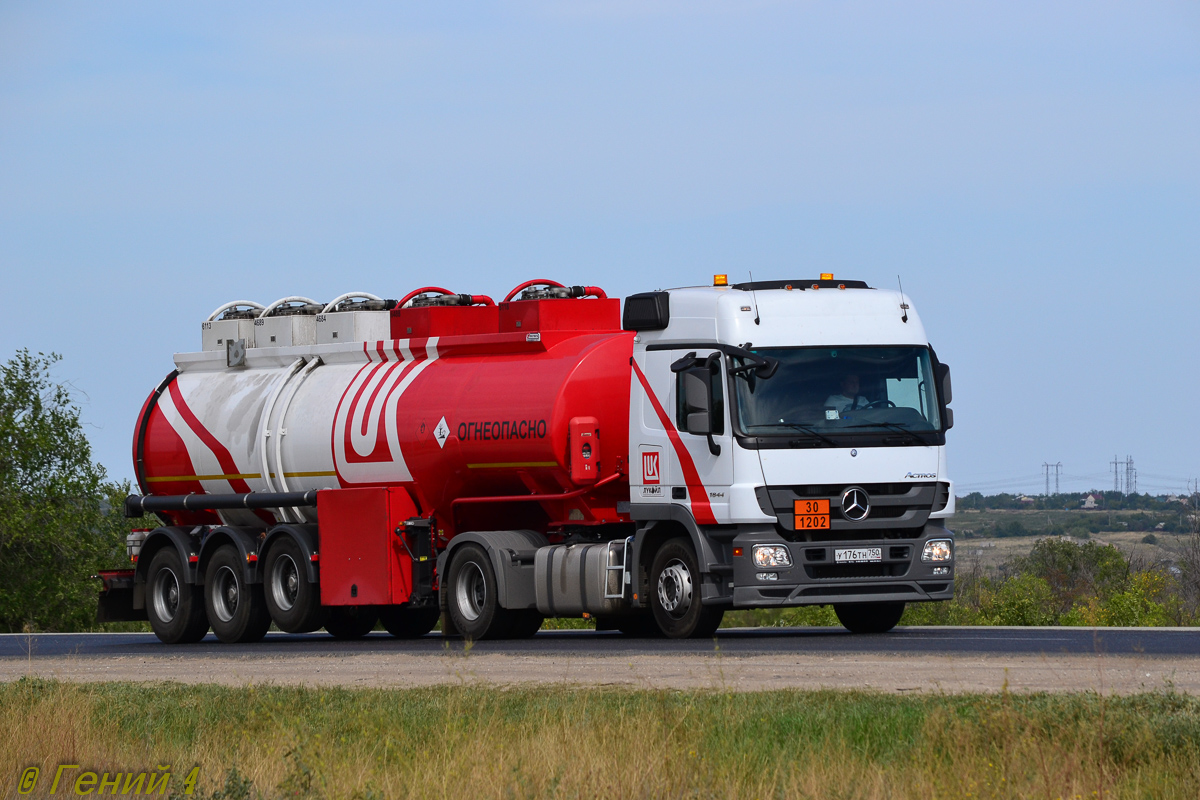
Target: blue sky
pixel 1031 171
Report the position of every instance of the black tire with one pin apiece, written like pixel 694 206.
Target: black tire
pixel 174 606
pixel 675 594
pixel 293 602
pixel 641 626
pixel 868 617
pixel 351 622
pixel 409 623
pixel 473 603
pixel 236 609
pixel 525 623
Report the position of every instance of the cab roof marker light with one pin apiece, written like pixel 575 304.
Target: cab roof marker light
pixel 720 280
pixel 826 276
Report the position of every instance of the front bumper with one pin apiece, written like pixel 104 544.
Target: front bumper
pixel 816 579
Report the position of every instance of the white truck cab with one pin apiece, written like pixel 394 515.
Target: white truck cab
pixel 799 428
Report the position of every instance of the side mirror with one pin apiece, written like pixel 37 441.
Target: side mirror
pixel 943 379
pixel 697 394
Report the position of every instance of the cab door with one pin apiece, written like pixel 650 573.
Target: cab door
pixel 670 465
pixel 711 454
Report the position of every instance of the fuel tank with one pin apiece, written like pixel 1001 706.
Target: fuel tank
pixel 487 406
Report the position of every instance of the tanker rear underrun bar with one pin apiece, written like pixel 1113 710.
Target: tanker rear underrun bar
pixel 334 465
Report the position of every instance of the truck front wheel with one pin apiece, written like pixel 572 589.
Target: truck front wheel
pixel 675 594
pixel 175 608
pixel 473 603
pixel 868 617
pixel 236 609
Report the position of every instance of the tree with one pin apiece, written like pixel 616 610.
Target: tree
pixel 59 515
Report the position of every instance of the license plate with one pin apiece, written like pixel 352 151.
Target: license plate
pixel 812 515
pixel 857 555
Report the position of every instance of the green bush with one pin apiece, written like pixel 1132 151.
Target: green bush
pixel 1021 600
pixel 59 516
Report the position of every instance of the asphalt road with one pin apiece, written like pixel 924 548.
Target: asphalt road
pixel 1159 642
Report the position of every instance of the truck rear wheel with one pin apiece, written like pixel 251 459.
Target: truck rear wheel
pixel 175 608
pixel 236 609
pixel 294 603
pixel 868 617
pixel 675 594
pixel 409 623
pixel 525 623
pixel 473 602
pixel 351 622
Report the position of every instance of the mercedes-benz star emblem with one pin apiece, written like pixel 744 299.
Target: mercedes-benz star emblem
pixel 856 504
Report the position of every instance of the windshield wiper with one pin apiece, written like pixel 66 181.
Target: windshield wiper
pixel 802 427
pixel 893 426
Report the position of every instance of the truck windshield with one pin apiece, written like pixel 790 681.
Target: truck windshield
pixel 826 391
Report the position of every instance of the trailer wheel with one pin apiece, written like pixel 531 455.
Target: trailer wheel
pixel 473 602
pixel 351 622
pixel 175 608
pixel 868 617
pixel 409 623
pixel 294 603
pixel 675 593
pixel 525 623
pixel 236 609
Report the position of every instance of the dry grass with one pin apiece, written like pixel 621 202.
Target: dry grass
pixel 574 742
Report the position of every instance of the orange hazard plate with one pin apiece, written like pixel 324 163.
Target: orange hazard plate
pixel 812 515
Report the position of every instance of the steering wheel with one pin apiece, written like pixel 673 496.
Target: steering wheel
pixel 880 404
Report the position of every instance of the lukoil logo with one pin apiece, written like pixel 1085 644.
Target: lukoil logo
pixel 650 466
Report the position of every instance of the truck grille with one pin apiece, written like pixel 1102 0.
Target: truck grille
pixel 898 510
pixel 844 571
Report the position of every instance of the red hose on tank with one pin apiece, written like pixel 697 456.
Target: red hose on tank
pixel 422 290
pixel 527 284
pixel 595 291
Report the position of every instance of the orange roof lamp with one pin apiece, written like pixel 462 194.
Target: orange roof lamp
pixel 720 280
pixel 826 276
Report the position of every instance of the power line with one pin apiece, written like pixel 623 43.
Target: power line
pixel 1057 474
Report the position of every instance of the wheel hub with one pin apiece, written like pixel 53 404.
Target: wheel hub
pixel 470 591
pixel 675 589
pixel 225 594
pixel 285 583
pixel 166 595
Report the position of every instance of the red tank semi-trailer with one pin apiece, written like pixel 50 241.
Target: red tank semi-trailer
pixel 334 465
pixel 472 417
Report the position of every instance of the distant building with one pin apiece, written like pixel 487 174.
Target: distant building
pixel 1026 500
pixel 1089 501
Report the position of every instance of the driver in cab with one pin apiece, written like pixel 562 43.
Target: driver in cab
pixel 848 400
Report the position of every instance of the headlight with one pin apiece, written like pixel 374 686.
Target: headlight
pixel 938 550
pixel 772 555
